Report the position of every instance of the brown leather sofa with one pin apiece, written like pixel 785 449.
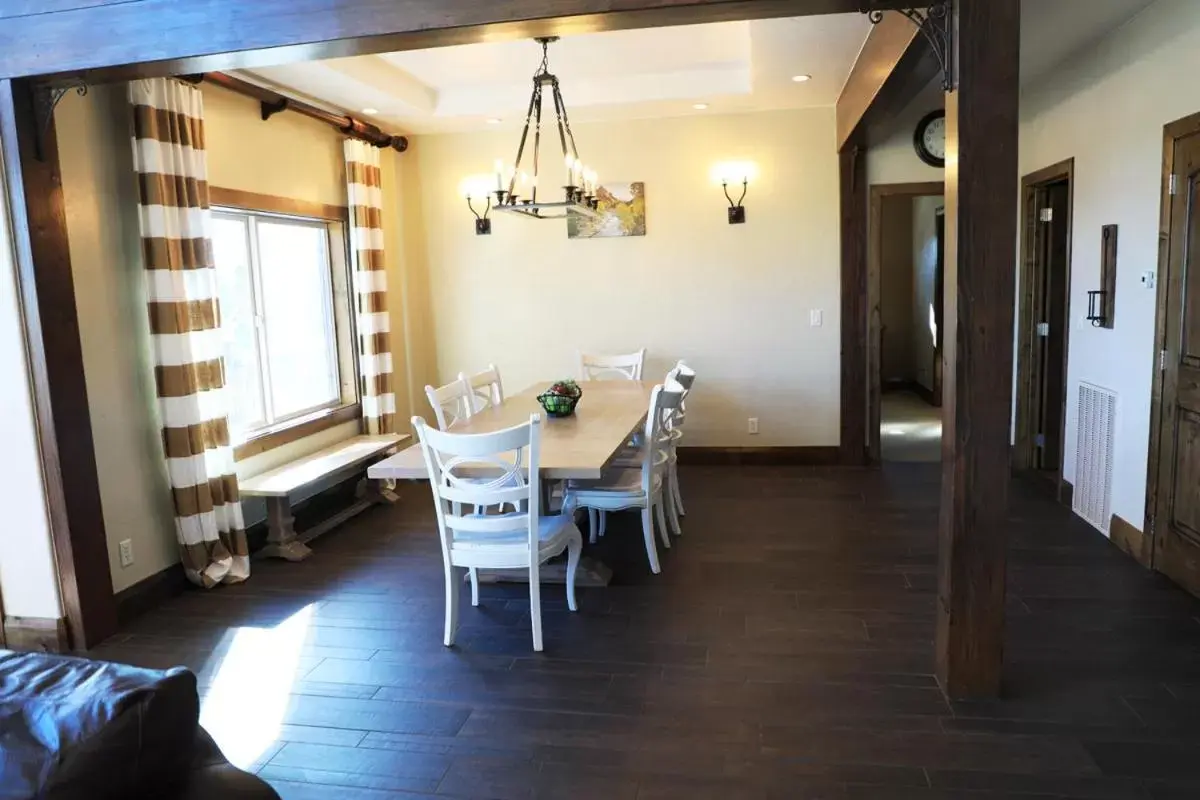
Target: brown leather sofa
pixel 74 728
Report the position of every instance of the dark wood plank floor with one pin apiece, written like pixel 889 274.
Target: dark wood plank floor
pixel 785 652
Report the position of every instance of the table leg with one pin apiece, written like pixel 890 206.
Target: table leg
pixel 281 536
pixel 546 497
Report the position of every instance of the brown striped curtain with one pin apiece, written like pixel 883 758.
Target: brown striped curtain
pixel 168 155
pixel 370 286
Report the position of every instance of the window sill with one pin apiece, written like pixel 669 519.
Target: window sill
pixel 296 429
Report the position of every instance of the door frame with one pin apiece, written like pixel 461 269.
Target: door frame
pixel 878 192
pixel 1172 132
pixel 1024 443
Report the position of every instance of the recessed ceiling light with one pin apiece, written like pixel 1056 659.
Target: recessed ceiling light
pixel 494 121
pixel 370 111
pixel 802 78
pixel 700 106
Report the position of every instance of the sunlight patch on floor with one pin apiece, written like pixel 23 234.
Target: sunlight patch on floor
pixel 245 707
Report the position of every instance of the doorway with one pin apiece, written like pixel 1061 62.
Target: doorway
pixel 1044 323
pixel 905 284
pixel 1173 490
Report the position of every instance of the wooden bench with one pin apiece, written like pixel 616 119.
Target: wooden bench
pixel 342 459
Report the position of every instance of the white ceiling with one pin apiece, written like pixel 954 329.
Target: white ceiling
pixel 660 72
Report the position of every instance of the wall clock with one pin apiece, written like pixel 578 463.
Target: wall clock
pixel 930 139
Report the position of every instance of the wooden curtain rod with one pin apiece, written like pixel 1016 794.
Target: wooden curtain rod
pixel 272 103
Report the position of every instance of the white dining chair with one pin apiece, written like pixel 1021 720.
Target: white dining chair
pixel 686 376
pixel 640 487
pixel 622 367
pixel 486 389
pixel 522 539
pixel 451 403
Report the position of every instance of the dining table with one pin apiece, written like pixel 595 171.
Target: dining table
pixel 577 447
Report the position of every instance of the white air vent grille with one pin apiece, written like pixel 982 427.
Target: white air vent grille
pixel 1094 455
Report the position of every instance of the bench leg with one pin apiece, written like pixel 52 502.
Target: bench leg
pixel 281 537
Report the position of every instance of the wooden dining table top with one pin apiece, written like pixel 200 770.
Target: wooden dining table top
pixel 578 447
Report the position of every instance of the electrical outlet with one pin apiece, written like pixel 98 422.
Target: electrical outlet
pixel 752 425
pixel 126 547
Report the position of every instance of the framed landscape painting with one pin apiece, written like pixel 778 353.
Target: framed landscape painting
pixel 622 213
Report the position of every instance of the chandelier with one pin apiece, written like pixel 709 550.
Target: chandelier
pixel 579 193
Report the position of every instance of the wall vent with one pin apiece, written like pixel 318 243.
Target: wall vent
pixel 1094 455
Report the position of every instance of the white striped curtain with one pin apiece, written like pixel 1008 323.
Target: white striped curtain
pixel 168 156
pixel 363 187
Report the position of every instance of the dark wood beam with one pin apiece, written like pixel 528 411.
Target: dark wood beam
pixel 852 161
pixel 981 217
pixel 164 37
pixel 47 293
pixel 881 53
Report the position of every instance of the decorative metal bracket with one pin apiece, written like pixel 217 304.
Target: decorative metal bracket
pixel 936 24
pixel 45 100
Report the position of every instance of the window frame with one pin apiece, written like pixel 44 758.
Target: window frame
pixel 336 221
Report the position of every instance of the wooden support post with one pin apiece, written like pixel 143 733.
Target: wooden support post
pixel 852 162
pixel 981 220
pixel 47 289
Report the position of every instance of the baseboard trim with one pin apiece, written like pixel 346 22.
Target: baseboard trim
pixel 1066 493
pixel 1130 540
pixel 759 456
pixel 39 634
pixel 149 593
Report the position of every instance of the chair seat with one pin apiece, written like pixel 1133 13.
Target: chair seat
pixel 625 481
pixel 553 532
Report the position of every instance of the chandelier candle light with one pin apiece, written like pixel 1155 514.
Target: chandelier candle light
pixel 521 194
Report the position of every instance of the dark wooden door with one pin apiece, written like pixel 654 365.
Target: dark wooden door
pixel 1050 342
pixel 1177 517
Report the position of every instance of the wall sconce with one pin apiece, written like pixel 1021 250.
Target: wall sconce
pixel 476 188
pixel 735 172
pixel 483 225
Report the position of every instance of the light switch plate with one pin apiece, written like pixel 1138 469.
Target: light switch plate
pixel 1148 278
pixel 816 317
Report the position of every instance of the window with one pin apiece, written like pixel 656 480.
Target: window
pixel 279 280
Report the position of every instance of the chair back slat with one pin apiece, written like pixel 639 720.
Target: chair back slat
pixel 620 367
pixel 451 403
pixel 482 523
pixel 664 402
pixel 486 389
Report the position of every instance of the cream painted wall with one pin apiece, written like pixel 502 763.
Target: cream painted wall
pixel 1107 109
pixel 110 298
pixel 891 157
pixel 28 579
pixel 733 300
pixel 289 156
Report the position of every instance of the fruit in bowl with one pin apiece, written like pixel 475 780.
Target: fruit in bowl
pixel 561 398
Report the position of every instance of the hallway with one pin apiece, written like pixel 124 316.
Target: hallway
pixel 910 429
pixel 786 651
